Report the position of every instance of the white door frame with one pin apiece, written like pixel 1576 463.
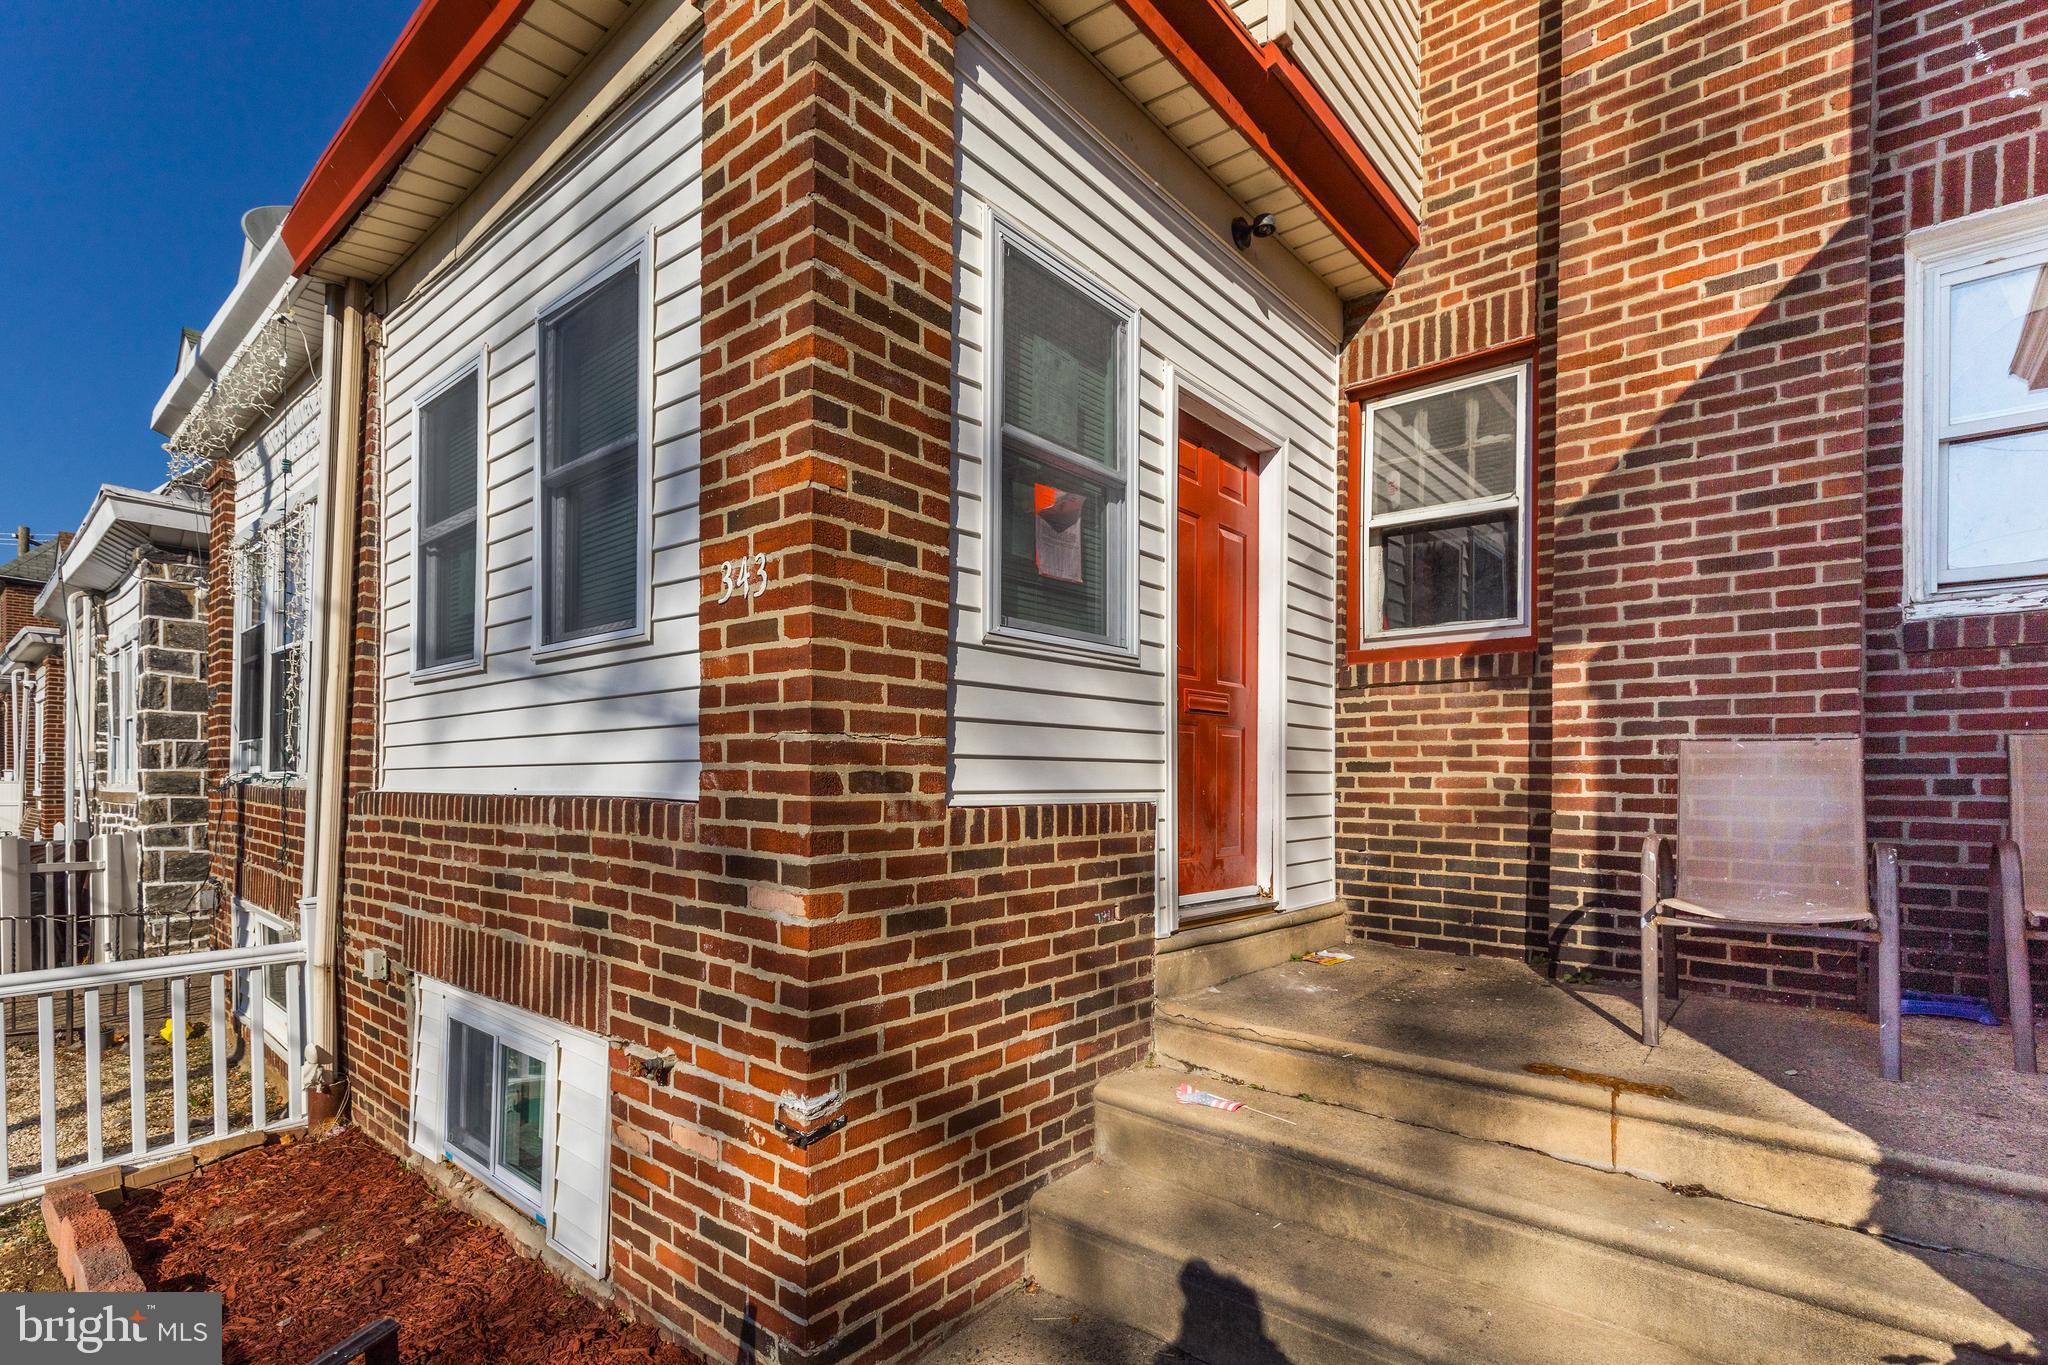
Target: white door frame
pixel 1206 403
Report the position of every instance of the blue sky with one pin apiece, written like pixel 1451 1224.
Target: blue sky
pixel 133 134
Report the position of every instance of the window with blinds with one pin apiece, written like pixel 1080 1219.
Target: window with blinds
pixel 591 554
pixel 446 629
pixel 251 713
pixel 1446 524
pixel 1062 462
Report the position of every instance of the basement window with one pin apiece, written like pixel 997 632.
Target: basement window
pixel 1977 412
pixel 522 1102
pixel 1445 520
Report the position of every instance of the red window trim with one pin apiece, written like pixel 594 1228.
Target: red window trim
pixel 1357 396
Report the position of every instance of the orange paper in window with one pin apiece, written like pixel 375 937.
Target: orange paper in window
pixel 1059 532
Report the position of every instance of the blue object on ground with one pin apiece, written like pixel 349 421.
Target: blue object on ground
pixel 1947 1006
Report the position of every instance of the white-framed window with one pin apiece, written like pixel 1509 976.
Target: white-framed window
pixel 448 523
pixel 121 724
pixel 1976 421
pixel 10 730
pixel 252 612
pixel 270 626
pixel 259 928
pixel 520 1101
pixel 593 504
pixel 1446 518
pixel 1062 455
pixel 39 712
pixel 497 1109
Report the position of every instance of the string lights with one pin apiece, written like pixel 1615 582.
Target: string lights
pixel 247 386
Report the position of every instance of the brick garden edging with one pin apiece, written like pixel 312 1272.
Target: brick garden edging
pixel 89 1247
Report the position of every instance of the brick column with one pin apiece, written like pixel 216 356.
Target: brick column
pixel 828 267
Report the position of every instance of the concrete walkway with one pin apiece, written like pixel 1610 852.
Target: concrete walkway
pixel 1814 1070
pixel 1030 1327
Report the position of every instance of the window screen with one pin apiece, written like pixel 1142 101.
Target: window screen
pixel 1062 477
pixel 1446 547
pixel 250 713
pixel 1991 430
pixel 448 525
pixel 590 462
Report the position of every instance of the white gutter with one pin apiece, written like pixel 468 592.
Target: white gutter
pixel 31 645
pixel 329 664
pixel 255 297
pixel 90 564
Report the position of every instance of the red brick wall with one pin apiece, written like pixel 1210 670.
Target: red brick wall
pixel 1959 130
pixel 45 812
pixel 1673 200
pixel 1443 787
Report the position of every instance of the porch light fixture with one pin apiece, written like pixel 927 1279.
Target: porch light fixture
pixel 1242 230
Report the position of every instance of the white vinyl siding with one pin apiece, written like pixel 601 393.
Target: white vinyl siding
pixel 263 490
pixel 1365 58
pixel 1039 724
pixel 619 718
pixel 571 1197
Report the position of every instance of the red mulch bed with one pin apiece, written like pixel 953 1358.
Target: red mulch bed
pixel 309 1242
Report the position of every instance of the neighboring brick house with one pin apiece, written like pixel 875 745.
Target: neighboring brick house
pixel 810 499
pixel 32 765
pixel 1689 232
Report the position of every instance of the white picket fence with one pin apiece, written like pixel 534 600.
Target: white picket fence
pixel 68 901
pixel 59 1126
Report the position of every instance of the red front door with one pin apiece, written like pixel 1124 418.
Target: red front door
pixel 1217 597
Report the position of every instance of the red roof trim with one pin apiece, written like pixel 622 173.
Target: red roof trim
pixel 1270 101
pixel 443 45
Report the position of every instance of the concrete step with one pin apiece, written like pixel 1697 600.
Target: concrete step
pixel 1234 1287
pixel 1713 1278
pixel 1806 1165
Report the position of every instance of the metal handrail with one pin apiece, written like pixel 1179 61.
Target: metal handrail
pixel 148 969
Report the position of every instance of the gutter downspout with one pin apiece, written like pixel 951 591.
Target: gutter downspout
pixel 79 688
pixel 331 665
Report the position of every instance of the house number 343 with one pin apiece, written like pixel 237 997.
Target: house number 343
pixel 747 576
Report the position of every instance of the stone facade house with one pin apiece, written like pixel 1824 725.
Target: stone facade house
pixel 130 589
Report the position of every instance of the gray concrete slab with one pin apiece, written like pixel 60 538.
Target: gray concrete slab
pixel 1960 1099
pixel 1028 1326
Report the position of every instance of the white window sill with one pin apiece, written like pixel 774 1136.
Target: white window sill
pixel 1996 601
pixel 1029 645
pixel 460 668
pixel 1464 633
pixel 590 644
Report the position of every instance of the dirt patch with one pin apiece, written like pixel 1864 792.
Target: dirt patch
pixel 310 1241
pixel 28 1263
